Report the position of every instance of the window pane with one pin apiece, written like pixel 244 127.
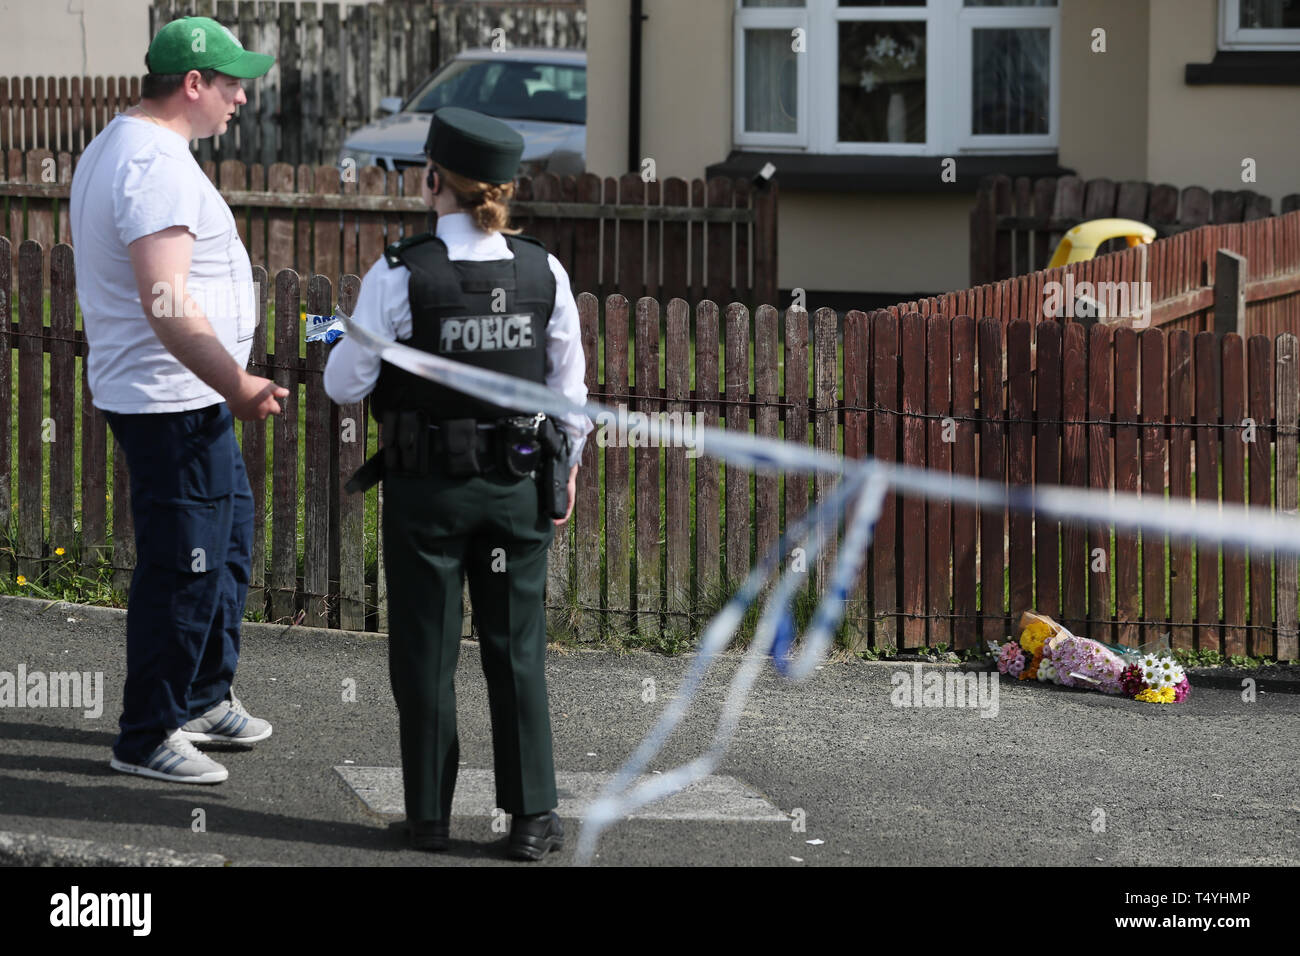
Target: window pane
pixel 1270 14
pixel 532 91
pixel 1011 82
pixel 772 3
pixel 882 3
pixel 882 82
pixel 1010 3
pixel 771 82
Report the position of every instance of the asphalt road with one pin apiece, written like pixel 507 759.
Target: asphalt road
pixel 1056 778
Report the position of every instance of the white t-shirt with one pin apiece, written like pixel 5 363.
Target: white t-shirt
pixel 134 179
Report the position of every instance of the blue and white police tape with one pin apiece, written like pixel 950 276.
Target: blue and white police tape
pixel 1227 524
pixel 323 328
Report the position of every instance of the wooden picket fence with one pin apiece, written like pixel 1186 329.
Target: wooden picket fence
pixel 1015 226
pixel 333 66
pixel 60 113
pixel 697 239
pixel 1007 398
pixel 1181 277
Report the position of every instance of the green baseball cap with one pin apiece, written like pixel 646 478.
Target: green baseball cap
pixel 200 43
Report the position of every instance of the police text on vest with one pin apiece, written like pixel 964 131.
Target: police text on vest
pixel 486 333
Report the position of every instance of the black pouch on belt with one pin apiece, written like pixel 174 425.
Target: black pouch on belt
pixel 460 447
pixel 388 438
pixel 413 443
pixel 553 481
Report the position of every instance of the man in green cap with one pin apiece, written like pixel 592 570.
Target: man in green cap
pixel 471 489
pixel 169 308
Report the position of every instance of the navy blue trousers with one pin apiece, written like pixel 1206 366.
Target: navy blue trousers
pixel 193 513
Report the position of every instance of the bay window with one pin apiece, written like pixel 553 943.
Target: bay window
pixel 904 77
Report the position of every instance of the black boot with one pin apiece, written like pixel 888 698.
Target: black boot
pixel 535 835
pixel 432 835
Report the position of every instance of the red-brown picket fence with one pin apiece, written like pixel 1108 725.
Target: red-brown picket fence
pixel 1016 225
pixel 1152 412
pixel 1182 277
pixel 696 239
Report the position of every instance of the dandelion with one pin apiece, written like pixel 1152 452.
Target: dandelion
pixel 22 581
pixel 59 552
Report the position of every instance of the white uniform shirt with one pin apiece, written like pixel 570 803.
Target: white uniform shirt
pixel 384 309
pixel 134 179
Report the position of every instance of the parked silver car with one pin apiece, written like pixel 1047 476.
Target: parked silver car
pixel 542 93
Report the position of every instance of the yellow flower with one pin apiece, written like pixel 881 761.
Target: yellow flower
pixel 22 581
pixel 59 552
pixel 1163 696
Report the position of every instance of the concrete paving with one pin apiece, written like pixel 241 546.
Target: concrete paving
pixel 1056 777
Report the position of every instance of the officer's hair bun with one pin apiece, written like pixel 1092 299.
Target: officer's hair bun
pixel 487 203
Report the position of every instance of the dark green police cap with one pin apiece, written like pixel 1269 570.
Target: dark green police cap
pixel 478 147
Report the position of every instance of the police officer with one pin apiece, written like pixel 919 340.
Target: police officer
pixel 461 491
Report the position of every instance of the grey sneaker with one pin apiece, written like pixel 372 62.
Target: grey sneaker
pixel 229 723
pixel 176 760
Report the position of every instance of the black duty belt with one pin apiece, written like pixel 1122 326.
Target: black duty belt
pixel 485 441
pixel 458 448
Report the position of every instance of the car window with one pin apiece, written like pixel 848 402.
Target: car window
pixel 508 90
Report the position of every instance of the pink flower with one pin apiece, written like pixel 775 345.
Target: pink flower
pixel 1010 653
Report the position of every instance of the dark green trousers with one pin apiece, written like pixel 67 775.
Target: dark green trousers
pixel 437 530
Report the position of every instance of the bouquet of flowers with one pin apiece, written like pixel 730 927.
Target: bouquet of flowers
pixel 1048 652
pixel 887 61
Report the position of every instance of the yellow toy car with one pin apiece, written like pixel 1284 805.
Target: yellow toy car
pixel 1081 242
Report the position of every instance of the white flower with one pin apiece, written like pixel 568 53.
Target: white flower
pixel 1047 672
pixel 868 81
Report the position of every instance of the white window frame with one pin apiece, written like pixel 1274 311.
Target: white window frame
pixel 1032 18
pixel 768 18
pixel 948 37
pixel 1234 37
pixel 826 117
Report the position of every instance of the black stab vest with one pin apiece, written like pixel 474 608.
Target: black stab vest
pixel 489 314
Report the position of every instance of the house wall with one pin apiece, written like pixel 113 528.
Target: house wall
pixel 77 37
pixel 609 30
pixel 686 124
pixel 1199 135
pixel 686 66
pixel 74 37
pixel 871 242
pixel 1104 95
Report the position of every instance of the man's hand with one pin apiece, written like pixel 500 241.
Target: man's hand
pixel 256 398
pixel 573 488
